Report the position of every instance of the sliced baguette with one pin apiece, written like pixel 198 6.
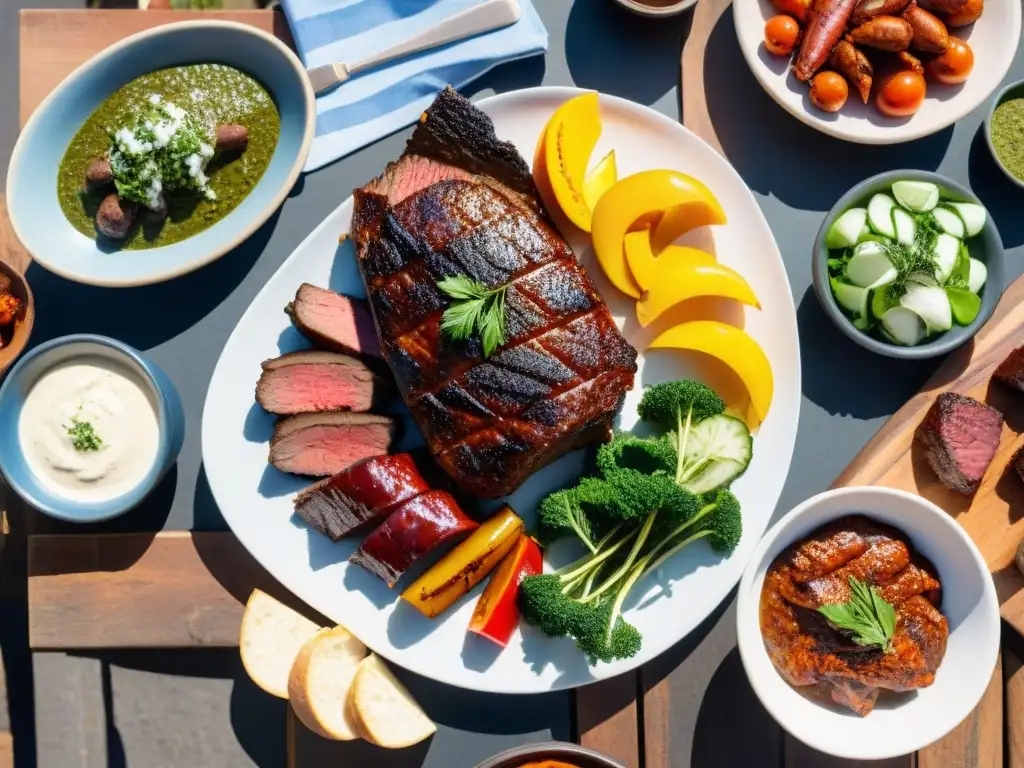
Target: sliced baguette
pixel 320 680
pixel 269 640
pixel 388 716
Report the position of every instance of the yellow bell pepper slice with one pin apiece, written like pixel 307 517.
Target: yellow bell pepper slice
pixel 733 347
pixel 645 193
pixel 569 140
pixel 600 180
pixel 643 263
pixel 674 282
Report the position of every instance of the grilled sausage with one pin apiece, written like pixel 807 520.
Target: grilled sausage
pixel 851 63
pixel 827 21
pixel 930 34
pixel 887 33
pixel 868 9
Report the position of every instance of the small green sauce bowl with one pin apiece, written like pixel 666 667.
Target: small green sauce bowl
pixel 1012 91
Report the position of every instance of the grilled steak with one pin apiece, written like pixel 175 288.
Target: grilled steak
pixel 960 436
pixel 321 444
pixel 808 651
pixel 459 202
pixel 361 495
pixel 335 322
pixel 1011 370
pixel 308 382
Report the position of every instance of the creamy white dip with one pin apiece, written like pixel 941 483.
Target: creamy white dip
pixel 89 429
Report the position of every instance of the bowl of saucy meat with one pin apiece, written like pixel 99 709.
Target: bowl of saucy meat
pixel 161 153
pixel 552 754
pixel 868 623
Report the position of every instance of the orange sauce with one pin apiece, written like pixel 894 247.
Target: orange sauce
pixel 548 764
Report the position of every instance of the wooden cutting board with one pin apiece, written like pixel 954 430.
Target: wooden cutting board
pixel 994 517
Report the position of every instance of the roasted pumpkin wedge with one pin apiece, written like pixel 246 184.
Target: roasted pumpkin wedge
pixel 466 565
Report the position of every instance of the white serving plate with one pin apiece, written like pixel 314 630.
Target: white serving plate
pixel 256 499
pixel 993 38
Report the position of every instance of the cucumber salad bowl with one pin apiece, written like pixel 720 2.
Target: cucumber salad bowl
pixel 908 264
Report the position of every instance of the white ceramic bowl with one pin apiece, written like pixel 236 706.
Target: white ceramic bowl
pixel 656 11
pixel 897 726
pixel 993 38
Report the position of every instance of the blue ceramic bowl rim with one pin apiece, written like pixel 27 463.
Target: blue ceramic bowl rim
pixel 254 223
pixel 1000 97
pixel 951 339
pixel 98 511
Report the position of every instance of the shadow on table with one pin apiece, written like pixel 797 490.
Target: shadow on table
pixel 1002 198
pixel 511 76
pixel 778 155
pixel 614 51
pixel 143 316
pixel 845 378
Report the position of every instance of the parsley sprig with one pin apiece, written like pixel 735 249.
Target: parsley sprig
pixel 476 308
pixel 83 435
pixel 869 618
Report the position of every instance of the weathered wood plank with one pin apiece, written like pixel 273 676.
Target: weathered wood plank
pixel 1013 681
pixel 978 741
pixel 172 589
pixel 799 755
pixel 607 718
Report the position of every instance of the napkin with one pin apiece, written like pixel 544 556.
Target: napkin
pixel 383 100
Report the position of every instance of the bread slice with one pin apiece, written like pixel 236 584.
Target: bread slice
pixel 269 640
pixel 388 715
pixel 320 680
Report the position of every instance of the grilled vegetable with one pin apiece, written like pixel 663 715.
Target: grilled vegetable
pixel 956 13
pixel 781 34
pixel 827 21
pixel 496 615
pixel 829 91
pixel 953 66
pixel 901 94
pixel 868 9
pixel 852 64
pixel 798 9
pixel 930 34
pixel 887 33
pixel 466 565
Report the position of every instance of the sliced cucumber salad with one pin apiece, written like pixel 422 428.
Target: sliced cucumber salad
pixel 900 266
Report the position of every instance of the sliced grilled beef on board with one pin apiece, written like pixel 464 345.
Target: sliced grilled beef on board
pixel 960 436
pixel 321 444
pixel 460 202
pixel 361 495
pixel 334 322
pixel 1011 371
pixel 312 381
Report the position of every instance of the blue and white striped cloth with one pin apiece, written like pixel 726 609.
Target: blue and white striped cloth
pixel 383 100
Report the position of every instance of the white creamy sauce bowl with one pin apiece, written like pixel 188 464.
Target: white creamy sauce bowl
pixel 88 427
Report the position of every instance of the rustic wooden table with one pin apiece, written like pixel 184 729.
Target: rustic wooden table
pixel 93 590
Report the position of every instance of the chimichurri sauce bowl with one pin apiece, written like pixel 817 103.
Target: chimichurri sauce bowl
pixel 177 83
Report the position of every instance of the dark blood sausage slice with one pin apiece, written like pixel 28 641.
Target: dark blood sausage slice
pixel 960 436
pixel 309 382
pixel 322 444
pixel 1011 371
pixel 361 495
pixel 334 322
pixel 412 530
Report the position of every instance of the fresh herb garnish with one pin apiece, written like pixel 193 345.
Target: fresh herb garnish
pixel 476 308
pixel 83 435
pixel 866 614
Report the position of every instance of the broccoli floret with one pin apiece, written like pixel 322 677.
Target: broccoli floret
pixel 625 451
pixel 594 638
pixel 724 521
pixel 670 404
pixel 560 514
pixel 637 494
pixel 544 605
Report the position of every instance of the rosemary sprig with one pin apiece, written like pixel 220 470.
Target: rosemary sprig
pixel 476 308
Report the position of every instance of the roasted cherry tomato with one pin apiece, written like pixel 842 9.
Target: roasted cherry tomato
pixel 901 94
pixel 781 34
pixel 953 66
pixel 829 91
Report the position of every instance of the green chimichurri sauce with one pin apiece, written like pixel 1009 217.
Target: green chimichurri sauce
pixel 1008 135
pixel 212 93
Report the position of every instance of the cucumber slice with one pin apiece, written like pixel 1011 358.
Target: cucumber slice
pixel 977 276
pixel 916 196
pixel 882 301
pixel 880 215
pixel 867 236
pixel 906 227
pixel 904 326
pixel 869 267
pixel 923 278
pixel 961 270
pixel 847 229
pixel 973 216
pixel 852 298
pixel 931 304
pixel 718 451
pixel 964 305
pixel 947 248
pixel 949 222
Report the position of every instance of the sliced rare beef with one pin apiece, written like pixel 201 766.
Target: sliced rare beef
pixel 460 202
pixel 314 381
pixel 411 531
pixel 960 436
pixel 321 444
pixel 1011 371
pixel 361 495
pixel 334 322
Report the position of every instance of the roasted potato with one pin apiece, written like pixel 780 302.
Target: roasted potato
pixel 868 9
pixel 99 173
pixel 930 34
pixel 798 9
pixel 114 217
pixel 851 63
pixel 968 14
pixel 887 33
pixel 232 137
